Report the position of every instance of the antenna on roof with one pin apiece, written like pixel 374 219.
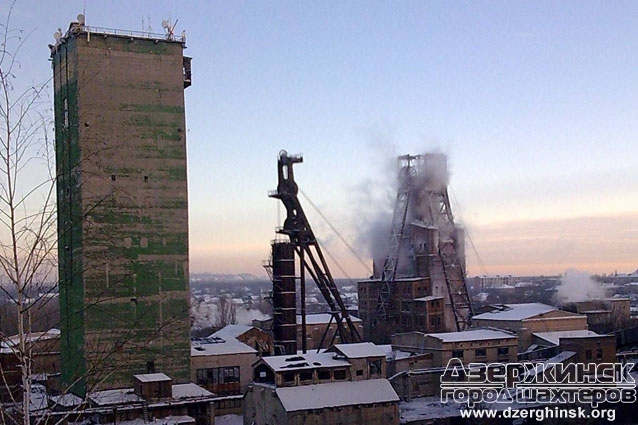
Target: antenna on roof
pixel 169 28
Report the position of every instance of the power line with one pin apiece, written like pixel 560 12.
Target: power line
pixel 363 263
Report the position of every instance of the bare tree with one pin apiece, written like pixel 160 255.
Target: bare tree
pixel 27 212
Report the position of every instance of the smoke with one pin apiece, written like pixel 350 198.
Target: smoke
pixel 578 286
pixel 375 198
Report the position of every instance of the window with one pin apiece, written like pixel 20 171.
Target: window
pixel 359 372
pixel 480 352
pixel 588 355
pixel 305 376
pixel 150 366
pixel 599 353
pixel 289 377
pixel 375 367
pixel 66 113
pixel 339 375
pixel 503 351
pixel 323 375
pixel 457 354
pixel 232 403
pixel 218 375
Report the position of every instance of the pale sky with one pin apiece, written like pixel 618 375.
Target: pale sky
pixel 535 104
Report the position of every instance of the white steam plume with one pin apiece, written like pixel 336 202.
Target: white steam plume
pixel 576 285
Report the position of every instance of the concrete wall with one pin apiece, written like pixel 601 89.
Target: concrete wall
pixel 123 209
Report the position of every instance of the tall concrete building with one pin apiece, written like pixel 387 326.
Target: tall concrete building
pixel 122 205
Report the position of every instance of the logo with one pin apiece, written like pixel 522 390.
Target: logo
pixel 587 383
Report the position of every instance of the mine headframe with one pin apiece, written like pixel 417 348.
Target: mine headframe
pixel 419 186
pixel 399 217
pixel 297 228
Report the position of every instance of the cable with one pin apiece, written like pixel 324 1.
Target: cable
pixel 457 208
pixel 363 263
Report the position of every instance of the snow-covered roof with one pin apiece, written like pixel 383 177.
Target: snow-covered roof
pixel 321 318
pixel 515 311
pixel 117 396
pixel 472 335
pixel 553 337
pixel 549 363
pixel 231 331
pixel 305 361
pixel 428 298
pixel 227 346
pixel 360 350
pixel 66 400
pixel 152 377
pixel 189 391
pixel 336 394
pixel 127 395
pixel 168 420
pixel 9 344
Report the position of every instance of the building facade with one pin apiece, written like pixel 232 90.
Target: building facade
pixel 122 206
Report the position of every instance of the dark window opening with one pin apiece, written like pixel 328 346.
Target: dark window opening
pixel 457 354
pixel 112 177
pixel 339 375
pixel 375 367
pixel 305 376
pixel 150 367
pixel 323 375
pixel 145 179
pixel 359 372
pixel 289 377
pixel 503 351
pixel 481 352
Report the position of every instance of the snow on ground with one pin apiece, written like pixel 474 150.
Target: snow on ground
pixel 229 420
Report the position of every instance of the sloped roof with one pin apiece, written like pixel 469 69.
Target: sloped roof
pixel 472 335
pixel 180 391
pixel 360 350
pixel 231 331
pixel 152 377
pixel 516 311
pixel 117 396
pixel 222 346
pixel 553 337
pixel 336 394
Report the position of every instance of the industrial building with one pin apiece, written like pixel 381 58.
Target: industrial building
pixel 420 283
pixel 122 205
pixel 527 318
pixel 344 384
